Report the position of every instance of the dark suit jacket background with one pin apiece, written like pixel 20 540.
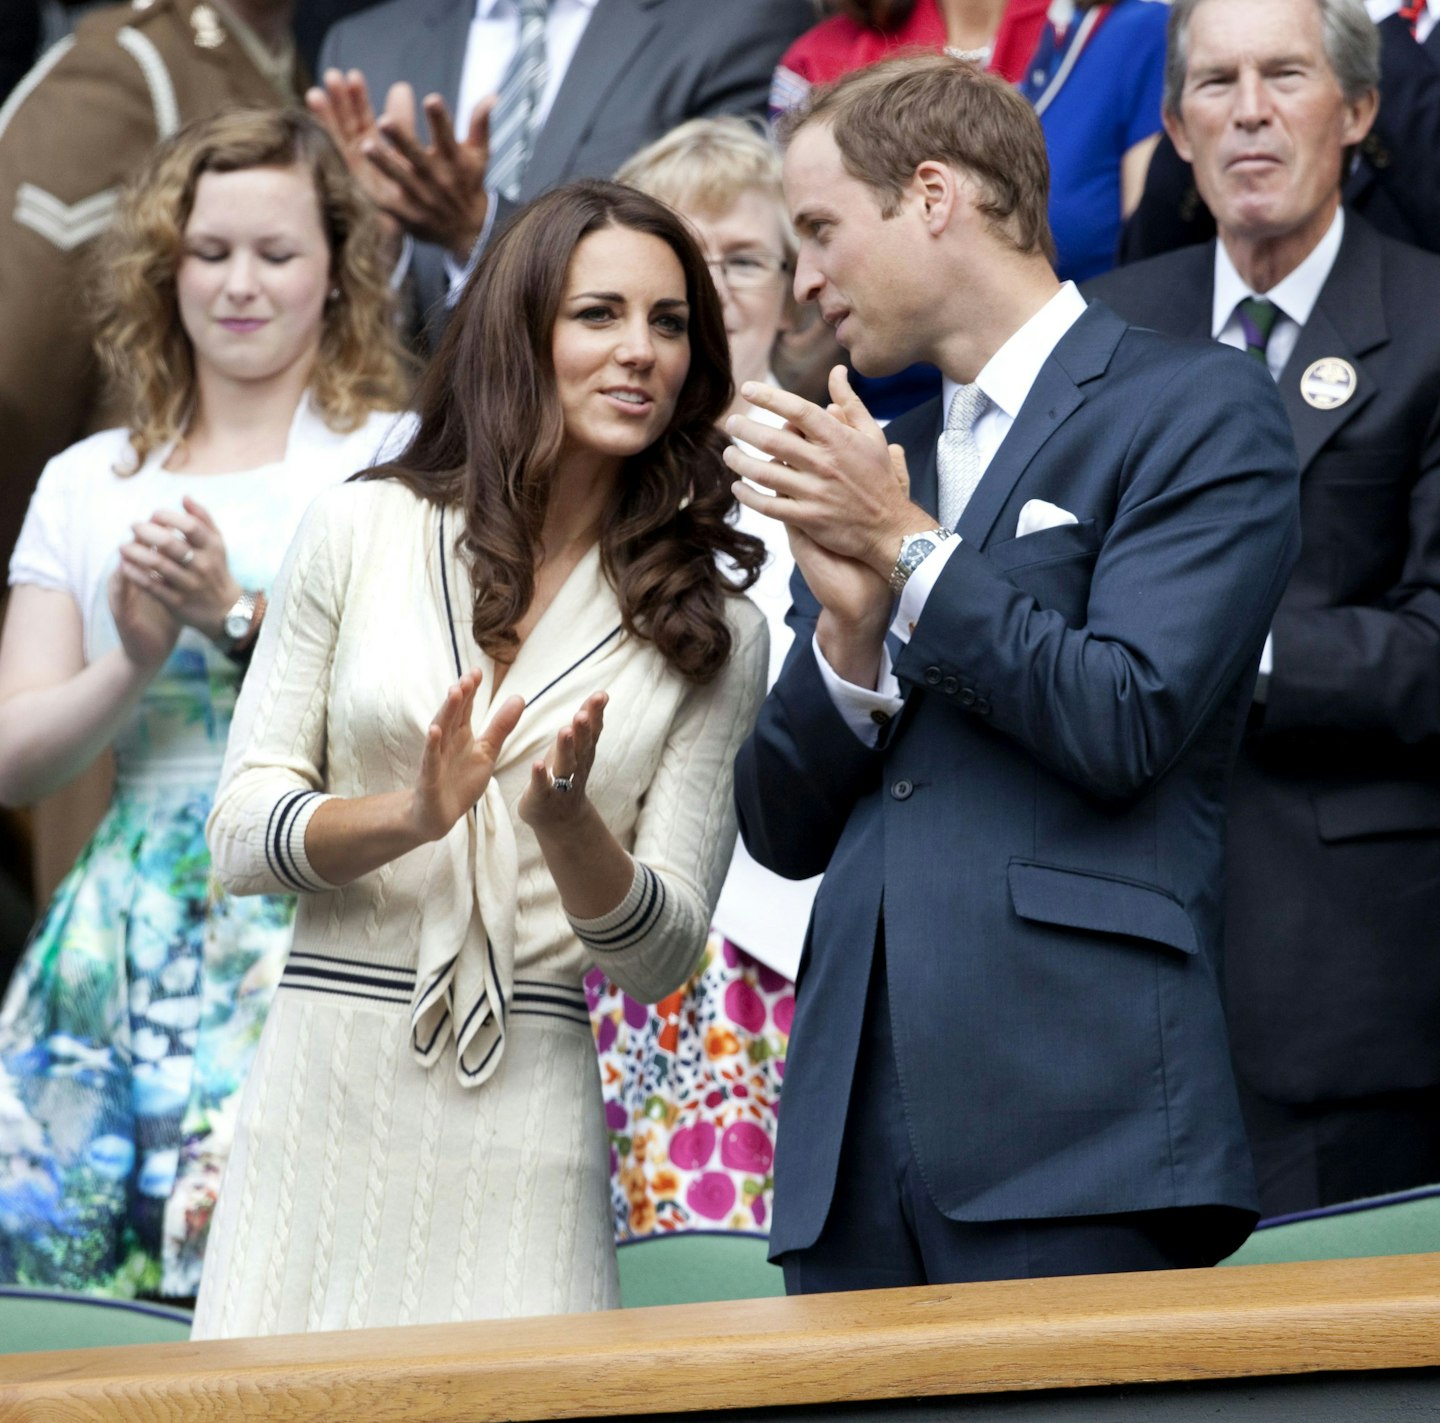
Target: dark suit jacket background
pixel 1332 971
pixel 1395 184
pixel 642 66
pixel 1043 820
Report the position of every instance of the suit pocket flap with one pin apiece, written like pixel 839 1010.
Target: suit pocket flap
pixel 1060 541
pixel 1079 900
pixel 1380 808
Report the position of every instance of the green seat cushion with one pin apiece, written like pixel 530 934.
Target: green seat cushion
pixel 695 1267
pixel 1407 1223
pixel 32 1320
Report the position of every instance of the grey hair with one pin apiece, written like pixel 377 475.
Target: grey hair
pixel 1352 47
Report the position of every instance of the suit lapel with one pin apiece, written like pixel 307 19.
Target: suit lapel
pixel 614 34
pixel 1348 321
pixel 1082 354
pixel 436 57
pixel 920 459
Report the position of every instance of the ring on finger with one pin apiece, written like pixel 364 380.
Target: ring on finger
pixel 187 558
pixel 563 784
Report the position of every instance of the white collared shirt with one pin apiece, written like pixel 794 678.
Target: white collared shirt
pixel 1295 295
pixel 1383 9
pixel 494 33
pixel 1006 379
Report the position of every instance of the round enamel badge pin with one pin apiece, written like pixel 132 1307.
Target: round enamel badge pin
pixel 1328 382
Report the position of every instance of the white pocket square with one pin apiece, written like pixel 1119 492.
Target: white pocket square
pixel 1041 514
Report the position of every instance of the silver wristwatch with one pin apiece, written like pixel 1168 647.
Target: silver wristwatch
pixel 914 550
pixel 236 625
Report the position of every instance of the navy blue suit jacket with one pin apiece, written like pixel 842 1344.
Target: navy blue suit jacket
pixel 1041 827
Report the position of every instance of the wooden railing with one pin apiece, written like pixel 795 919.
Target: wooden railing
pixel 1345 1315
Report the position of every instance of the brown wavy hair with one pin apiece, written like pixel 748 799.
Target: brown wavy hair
pixel 147 356
pixel 491 431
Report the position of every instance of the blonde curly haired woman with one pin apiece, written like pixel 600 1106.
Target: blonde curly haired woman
pixel 246 323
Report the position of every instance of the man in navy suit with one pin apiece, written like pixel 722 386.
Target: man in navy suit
pixel 1333 896
pixel 1026 635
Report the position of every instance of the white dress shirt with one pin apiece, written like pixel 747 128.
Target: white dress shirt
pixel 1006 379
pixel 1295 296
pixel 494 33
pixel 1425 22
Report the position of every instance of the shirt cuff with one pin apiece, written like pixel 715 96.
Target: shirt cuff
pixel 1267 666
pixel 402 262
pixel 918 587
pixel 457 275
pixel 864 711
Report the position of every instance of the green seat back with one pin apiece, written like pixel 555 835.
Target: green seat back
pixel 695 1267
pixel 32 1320
pixel 1404 1224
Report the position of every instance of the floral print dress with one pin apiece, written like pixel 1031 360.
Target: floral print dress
pixel 692 1091
pixel 131 1021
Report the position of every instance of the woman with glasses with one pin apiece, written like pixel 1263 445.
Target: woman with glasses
pixel 692 1083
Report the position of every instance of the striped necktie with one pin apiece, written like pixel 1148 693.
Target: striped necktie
pixel 1257 320
pixel 513 125
pixel 1410 12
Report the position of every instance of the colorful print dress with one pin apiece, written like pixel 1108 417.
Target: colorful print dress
pixel 692 1084
pixel 692 1088
pixel 131 1021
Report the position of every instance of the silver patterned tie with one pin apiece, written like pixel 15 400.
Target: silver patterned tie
pixel 512 124
pixel 958 455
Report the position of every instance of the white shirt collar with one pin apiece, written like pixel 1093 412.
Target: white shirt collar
pixel 1295 295
pixel 1008 375
pixel 485 9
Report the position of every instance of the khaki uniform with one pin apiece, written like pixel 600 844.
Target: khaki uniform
pixel 74 129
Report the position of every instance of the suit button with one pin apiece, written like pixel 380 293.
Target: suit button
pixel 902 790
pixel 950 686
pixel 967 697
pixel 981 707
pixel 932 676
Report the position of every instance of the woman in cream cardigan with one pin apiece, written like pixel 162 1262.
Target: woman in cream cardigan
pixel 422 1138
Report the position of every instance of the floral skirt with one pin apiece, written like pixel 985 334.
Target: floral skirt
pixel 125 1037
pixel 692 1094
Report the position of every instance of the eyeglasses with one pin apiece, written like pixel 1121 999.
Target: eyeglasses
pixel 746 271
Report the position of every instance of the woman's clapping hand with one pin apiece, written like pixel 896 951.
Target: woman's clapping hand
pixel 555 796
pixel 147 631
pixel 179 558
pixel 457 765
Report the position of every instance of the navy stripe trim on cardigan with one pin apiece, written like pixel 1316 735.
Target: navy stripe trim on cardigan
pixel 636 924
pixel 278 855
pixel 424 1048
pixel 579 662
pixel 402 975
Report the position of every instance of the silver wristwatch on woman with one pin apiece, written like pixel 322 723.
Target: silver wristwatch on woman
pixel 241 624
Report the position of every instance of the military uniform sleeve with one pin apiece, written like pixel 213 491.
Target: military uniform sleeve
pixel 77 126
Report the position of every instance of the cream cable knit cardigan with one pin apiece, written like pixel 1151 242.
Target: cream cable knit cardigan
pixel 352 665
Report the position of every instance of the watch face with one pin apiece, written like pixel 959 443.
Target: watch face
pixel 917 551
pixel 237 624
